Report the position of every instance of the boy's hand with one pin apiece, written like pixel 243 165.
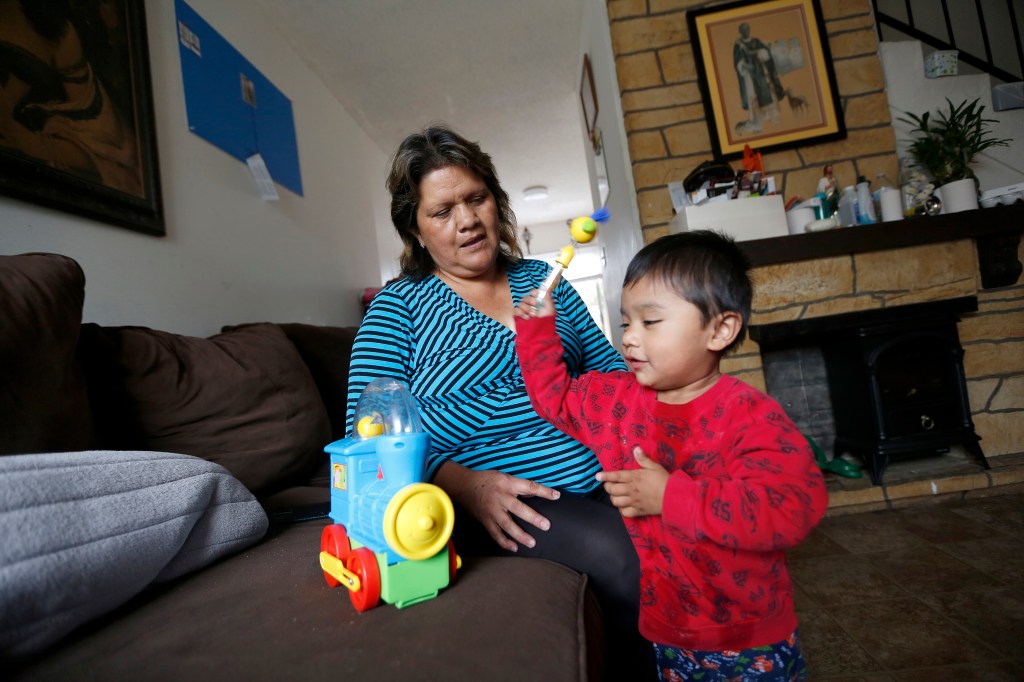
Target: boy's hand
pixel 637 492
pixel 527 306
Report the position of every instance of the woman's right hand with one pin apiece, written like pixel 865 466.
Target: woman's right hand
pixel 492 497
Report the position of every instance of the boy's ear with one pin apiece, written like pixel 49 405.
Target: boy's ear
pixel 727 327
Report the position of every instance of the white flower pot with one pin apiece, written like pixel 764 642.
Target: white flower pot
pixel 959 195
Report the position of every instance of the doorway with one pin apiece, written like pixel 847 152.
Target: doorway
pixel 585 275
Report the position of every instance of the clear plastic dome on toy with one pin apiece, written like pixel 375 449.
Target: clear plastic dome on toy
pixel 386 407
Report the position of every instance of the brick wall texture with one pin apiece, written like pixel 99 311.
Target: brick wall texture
pixel 664 114
pixel 668 137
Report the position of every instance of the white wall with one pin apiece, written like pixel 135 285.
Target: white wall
pixel 229 256
pixel 621 236
pixel 909 91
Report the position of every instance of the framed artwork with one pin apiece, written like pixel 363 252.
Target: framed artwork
pixel 766 76
pixel 588 99
pixel 76 114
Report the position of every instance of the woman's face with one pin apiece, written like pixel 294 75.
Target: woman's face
pixel 458 222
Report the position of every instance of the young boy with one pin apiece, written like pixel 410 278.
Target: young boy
pixel 712 478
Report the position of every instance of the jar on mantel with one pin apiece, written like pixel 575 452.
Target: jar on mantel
pixel 888 199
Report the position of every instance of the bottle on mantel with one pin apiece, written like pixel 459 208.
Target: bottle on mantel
pixel 865 204
pixel 848 213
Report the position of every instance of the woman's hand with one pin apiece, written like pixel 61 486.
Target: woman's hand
pixel 492 497
pixel 528 306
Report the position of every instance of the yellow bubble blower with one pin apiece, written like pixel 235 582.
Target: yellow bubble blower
pixel 582 230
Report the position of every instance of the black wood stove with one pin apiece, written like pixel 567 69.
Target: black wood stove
pixel 895 377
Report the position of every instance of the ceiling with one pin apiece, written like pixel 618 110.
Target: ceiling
pixel 504 74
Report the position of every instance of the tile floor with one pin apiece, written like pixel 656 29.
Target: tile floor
pixel 927 593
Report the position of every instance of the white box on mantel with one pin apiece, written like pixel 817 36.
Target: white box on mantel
pixel 742 219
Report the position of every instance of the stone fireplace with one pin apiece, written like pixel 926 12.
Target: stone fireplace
pixel 882 268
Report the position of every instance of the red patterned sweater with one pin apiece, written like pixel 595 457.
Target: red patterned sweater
pixel 744 487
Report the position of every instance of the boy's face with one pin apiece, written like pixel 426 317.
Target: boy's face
pixel 665 344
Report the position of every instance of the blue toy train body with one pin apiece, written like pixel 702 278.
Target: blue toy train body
pixel 391 534
pixel 360 492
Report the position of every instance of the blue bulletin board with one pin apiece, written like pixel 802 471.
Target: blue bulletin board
pixel 232 105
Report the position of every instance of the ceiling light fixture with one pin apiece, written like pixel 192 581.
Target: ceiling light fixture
pixel 535 193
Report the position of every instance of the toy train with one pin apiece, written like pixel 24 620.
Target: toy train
pixel 391 536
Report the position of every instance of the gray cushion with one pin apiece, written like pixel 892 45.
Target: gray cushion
pixel 81 533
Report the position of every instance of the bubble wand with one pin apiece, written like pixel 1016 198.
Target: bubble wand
pixel 582 230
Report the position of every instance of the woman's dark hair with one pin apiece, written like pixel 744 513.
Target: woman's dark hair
pixel 437 146
pixel 705 268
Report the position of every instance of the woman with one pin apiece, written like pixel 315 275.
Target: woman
pixel 446 329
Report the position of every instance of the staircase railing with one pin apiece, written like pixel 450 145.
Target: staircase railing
pixel 899 15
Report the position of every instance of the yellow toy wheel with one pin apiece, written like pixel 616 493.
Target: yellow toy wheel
pixel 418 521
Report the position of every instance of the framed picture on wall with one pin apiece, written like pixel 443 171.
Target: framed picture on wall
pixel 588 99
pixel 76 115
pixel 766 76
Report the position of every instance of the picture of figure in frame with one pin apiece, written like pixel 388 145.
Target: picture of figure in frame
pixel 765 73
pixel 758 70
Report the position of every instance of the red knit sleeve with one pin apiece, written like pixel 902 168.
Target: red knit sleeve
pixel 556 396
pixel 771 493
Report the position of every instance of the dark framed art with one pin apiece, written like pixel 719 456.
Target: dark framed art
pixel 766 76
pixel 76 114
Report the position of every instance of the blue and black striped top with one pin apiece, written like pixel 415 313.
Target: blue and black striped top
pixel 461 367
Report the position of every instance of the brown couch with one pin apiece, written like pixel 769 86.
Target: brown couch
pixel 261 401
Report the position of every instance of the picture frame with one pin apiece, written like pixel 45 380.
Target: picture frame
pixel 588 100
pixel 766 77
pixel 77 130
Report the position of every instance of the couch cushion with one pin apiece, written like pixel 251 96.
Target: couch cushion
pixel 326 351
pixel 243 399
pixel 43 402
pixel 268 614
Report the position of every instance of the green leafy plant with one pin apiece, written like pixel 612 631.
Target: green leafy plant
pixel 947 145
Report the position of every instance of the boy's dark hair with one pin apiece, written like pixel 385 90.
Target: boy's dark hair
pixel 705 268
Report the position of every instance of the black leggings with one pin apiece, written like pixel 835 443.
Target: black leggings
pixel 587 534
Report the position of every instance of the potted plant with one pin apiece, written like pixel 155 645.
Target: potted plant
pixel 948 144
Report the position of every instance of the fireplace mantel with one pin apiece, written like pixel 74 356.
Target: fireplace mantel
pixel 795 330
pixel 996 232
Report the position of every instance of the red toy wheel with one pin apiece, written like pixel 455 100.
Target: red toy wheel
pixel 363 563
pixel 334 541
pixel 453 562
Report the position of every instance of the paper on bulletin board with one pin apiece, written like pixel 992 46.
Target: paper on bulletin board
pixel 232 105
